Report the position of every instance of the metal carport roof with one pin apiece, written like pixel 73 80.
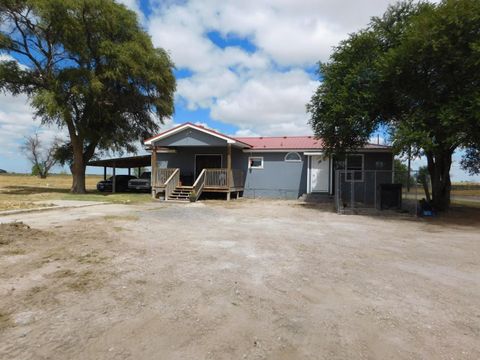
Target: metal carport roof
pixel 125 162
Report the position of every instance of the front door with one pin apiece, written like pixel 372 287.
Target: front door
pixel 319 173
pixel 213 161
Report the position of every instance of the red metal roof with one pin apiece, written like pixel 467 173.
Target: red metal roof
pixel 283 142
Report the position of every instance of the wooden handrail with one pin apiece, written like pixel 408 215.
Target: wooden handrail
pixel 199 184
pixel 171 183
pixel 218 178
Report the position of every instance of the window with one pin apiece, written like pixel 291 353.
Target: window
pixel 255 162
pixel 354 167
pixel 293 157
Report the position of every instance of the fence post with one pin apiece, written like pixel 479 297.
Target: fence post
pixel 337 191
pixel 352 191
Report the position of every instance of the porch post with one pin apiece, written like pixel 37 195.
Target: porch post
pixel 153 161
pixel 113 180
pixel 229 168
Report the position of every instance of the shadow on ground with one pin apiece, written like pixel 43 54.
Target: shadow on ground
pixel 31 190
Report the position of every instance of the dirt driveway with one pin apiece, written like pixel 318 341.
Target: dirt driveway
pixel 244 280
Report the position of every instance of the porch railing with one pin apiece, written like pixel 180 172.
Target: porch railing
pixel 209 178
pixel 171 183
pixel 217 178
pixel 162 176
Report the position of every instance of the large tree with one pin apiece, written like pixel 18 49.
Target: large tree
pixel 89 67
pixel 416 72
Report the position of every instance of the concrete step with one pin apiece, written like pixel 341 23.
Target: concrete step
pixel 178 199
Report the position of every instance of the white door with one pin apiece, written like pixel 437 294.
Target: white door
pixel 319 173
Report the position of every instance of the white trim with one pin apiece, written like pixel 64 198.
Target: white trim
pixel 166 151
pixel 309 164
pixel 188 126
pixel 348 171
pixel 195 162
pixel 293 152
pixel 310 152
pixel 255 157
pixel 330 185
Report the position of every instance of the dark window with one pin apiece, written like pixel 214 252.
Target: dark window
pixel 255 162
pixel 354 167
pixel 293 156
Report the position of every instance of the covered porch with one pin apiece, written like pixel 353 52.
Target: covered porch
pixel 189 160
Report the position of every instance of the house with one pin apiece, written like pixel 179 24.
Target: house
pixel 189 159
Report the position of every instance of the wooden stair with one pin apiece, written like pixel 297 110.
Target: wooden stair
pixel 181 193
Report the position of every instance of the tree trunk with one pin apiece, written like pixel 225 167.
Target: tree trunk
pixel 78 171
pixel 426 190
pixel 439 165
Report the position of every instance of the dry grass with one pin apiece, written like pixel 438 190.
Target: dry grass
pixel 15 251
pixel 121 218
pixel 53 181
pixel 92 257
pixel 84 281
pixel 24 191
pixel 5 321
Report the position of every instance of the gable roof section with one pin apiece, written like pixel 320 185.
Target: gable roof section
pixel 179 128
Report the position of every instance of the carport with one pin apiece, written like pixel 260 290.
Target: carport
pixel 121 163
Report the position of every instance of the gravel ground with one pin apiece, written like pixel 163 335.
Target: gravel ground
pixel 238 280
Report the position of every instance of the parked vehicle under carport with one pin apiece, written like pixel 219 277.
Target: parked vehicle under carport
pixel 121 183
pixel 143 183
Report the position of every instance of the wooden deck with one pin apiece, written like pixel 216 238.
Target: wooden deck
pixel 167 182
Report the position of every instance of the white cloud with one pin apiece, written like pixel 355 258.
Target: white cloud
pixel 251 89
pixel 270 103
pixel 16 121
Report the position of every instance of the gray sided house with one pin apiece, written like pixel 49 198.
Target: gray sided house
pixel 189 160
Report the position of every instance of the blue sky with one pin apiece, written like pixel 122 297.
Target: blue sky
pixel 242 67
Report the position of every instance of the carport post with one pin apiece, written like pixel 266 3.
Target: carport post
pixel 129 171
pixel 104 173
pixel 113 180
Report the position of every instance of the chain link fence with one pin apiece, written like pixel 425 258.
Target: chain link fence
pixel 379 190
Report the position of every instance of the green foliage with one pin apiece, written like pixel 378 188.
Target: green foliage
pixel 414 71
pixel 471 161
pixel 37 170
pixel 91 68
pixel 401 174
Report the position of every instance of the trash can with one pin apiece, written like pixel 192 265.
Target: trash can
pixel 389 196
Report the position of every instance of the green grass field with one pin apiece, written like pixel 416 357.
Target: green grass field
pixel 22 191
